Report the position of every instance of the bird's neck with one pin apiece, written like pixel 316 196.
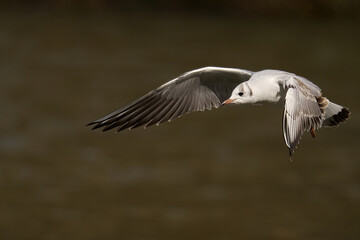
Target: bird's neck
pixel 267 90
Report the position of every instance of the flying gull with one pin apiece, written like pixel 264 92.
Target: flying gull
pixel 212 87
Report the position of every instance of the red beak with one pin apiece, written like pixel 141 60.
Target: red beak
pixel 226 102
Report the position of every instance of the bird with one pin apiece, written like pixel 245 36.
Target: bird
pixel 305 108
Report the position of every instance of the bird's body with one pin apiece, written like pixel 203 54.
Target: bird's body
pixel 305 107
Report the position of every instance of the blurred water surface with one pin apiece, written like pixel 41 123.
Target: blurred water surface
pixel 222 174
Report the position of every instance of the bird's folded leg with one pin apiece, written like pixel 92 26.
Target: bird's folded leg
pixel 312 132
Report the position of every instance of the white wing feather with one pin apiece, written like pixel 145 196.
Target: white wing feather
pixel 302 111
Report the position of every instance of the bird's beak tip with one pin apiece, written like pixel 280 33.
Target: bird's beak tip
pixel 226 102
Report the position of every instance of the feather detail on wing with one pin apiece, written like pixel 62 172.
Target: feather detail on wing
pixel 197 90
pixel 301 112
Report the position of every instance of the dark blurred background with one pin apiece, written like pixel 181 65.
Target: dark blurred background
pixel 221 174
pixel 260 8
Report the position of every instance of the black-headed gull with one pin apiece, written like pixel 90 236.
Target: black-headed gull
pixel 305 107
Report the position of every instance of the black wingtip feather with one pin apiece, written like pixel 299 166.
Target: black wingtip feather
pixel 109 127
pixel 123 127
pixel 291 153
pixel 89 124
pixel 96 126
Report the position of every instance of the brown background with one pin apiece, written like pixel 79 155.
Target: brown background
pixel 222 174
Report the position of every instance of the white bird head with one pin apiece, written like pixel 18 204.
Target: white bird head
pixel 241 94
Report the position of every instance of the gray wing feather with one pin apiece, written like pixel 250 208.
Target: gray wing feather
pixel 197 90
pixel 301 112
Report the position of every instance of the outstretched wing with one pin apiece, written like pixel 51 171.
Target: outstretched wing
pixel 302 111
pixel 197 90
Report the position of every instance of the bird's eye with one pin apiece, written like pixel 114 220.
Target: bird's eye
pixel 241 93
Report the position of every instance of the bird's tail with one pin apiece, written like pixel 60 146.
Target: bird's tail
pixel 335 114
